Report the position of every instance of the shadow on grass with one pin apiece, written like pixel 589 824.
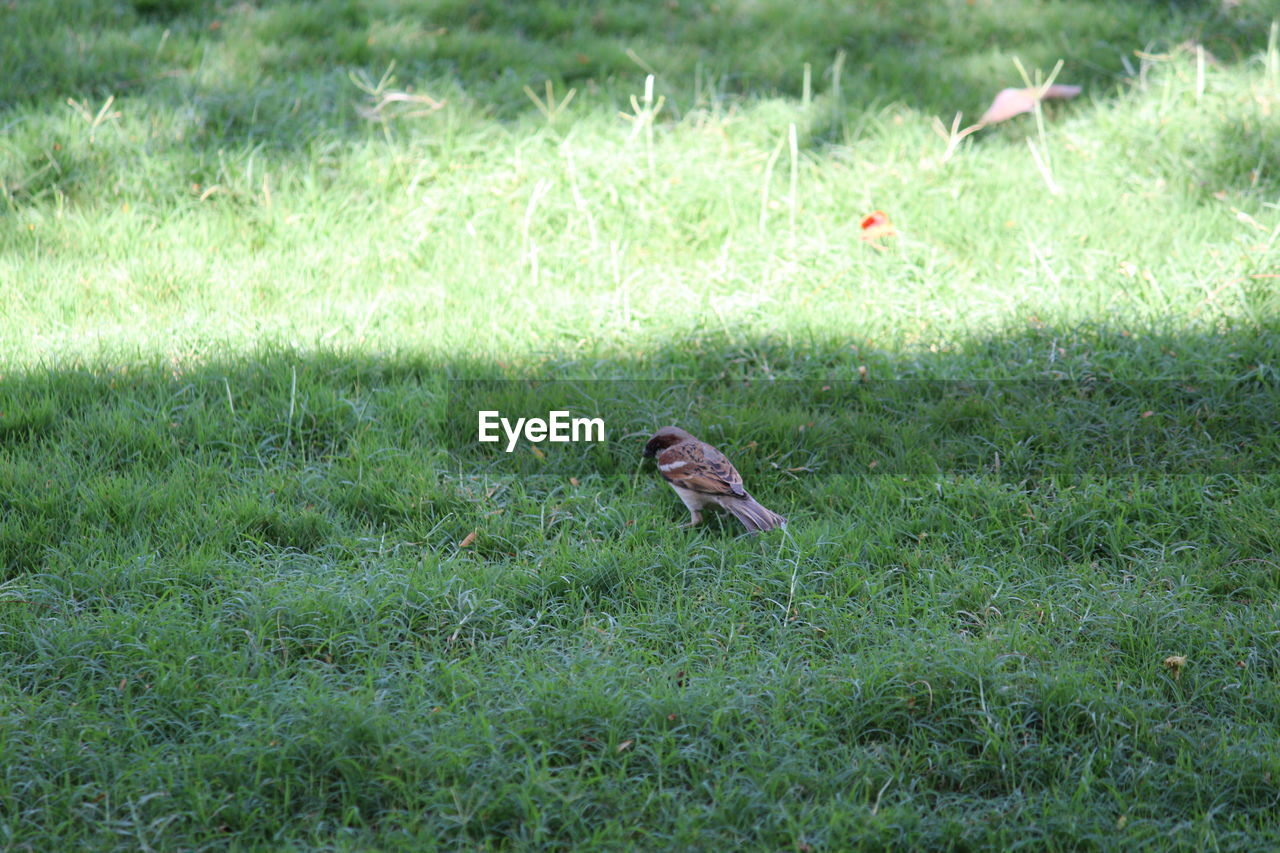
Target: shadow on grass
pixel 938 58
pixel 322 451
pixel 205 84
pixel 259 562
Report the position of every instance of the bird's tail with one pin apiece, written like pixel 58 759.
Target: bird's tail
pixel 754 516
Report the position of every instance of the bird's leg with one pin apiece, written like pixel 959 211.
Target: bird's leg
pixel 695 518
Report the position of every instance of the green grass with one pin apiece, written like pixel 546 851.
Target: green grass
pixel 1028 447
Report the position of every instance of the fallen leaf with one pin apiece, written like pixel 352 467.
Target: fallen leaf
pixel 625 745
pixel 573 481
pixel 1246 219
pixel 876 225
pixel 1014 102
pixel 537 451
pixel 468 539
pixel 1176 663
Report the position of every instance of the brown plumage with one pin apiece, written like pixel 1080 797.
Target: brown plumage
pixel 701 475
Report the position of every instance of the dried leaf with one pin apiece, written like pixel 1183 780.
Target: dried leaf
pixel 573 481
pixel 537 451
pixel 1176 663
pixel 468 539
pixel 1014 102
pixel 625 745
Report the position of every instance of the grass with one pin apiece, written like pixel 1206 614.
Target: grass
pixel 250 307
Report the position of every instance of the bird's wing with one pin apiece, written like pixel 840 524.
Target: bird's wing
pixel 699 467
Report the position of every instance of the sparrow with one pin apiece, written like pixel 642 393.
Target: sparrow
pixel 701 475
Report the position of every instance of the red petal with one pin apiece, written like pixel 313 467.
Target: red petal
pixel 874 219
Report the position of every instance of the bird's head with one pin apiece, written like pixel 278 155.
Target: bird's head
pixel 664 438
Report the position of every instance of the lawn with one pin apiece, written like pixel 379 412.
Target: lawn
pixel 262 263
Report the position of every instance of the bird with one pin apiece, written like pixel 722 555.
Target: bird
pixel 701 475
